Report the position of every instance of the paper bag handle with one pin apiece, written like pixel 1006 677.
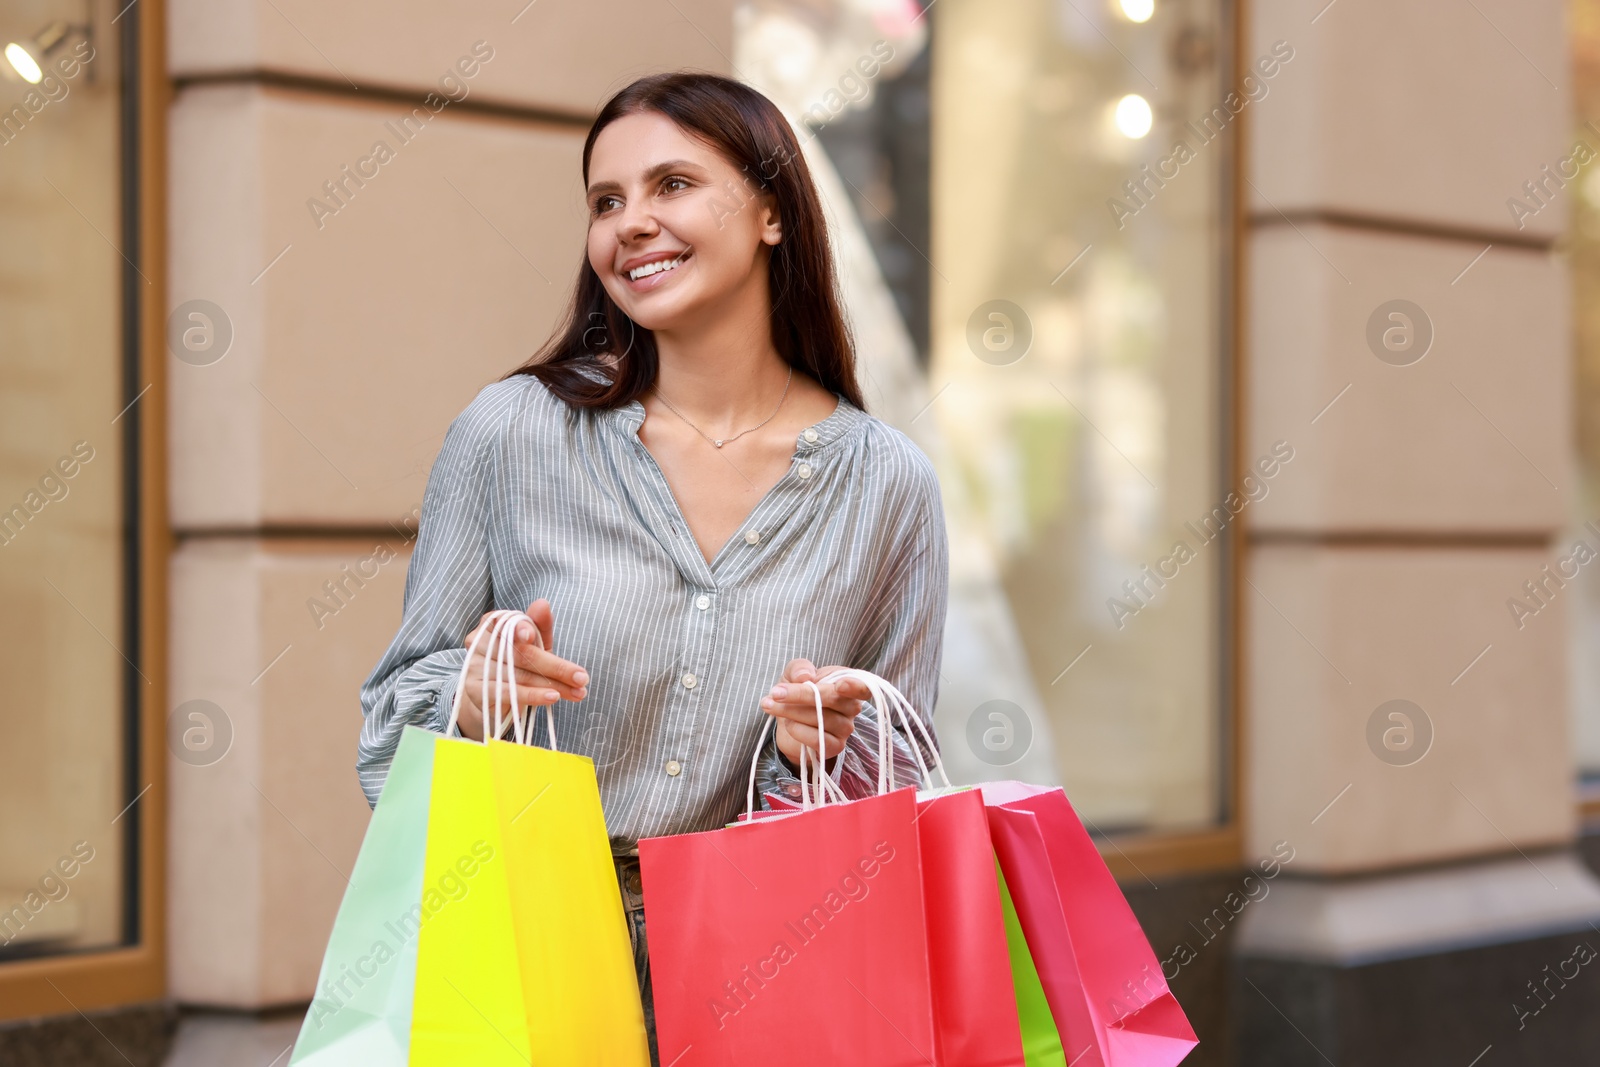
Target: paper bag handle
pixel 827 784
pixel 499 658
pixel 888 701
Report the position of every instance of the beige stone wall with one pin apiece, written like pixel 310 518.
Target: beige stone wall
pixel 272 828
pixel 358 334
pixel 1422 495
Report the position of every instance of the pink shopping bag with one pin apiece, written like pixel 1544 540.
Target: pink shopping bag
pixel 1101 978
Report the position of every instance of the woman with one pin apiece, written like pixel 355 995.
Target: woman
pixel 687 473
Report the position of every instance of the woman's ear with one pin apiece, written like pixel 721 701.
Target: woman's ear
pixel 771 224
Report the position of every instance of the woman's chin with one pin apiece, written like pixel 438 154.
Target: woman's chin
pixel 668 313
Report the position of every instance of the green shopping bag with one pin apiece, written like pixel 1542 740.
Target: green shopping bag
pixel 362 1009
pixel 1041 1041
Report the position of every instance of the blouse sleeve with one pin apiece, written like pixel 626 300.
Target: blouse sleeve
pixel 902 640
pixel 447 590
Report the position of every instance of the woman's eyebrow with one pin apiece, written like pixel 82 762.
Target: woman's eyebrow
pixel 654 172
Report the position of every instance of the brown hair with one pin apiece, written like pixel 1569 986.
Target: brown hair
pixel 808 327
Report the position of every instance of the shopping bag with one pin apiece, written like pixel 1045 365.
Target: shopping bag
pixel 1106 992
pixel 576 995
pixel 361 1012
pixel 792 940
pixel 976 1019
pixel 508 942
pixel 580 986
pixel 964 1016
pixel 1041 1041
pixel 975 1006
pixel 469 1001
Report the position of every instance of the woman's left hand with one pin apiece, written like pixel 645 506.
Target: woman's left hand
pixel 794 705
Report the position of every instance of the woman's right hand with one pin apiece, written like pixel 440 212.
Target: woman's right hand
pixel 542 676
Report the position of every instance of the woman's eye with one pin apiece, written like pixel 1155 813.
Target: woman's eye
pixel 675 180
pixel 602 205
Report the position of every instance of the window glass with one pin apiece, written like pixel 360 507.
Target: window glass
pixel 1029 198
pixel 65 647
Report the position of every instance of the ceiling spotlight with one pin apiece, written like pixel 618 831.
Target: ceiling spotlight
pixel 23 63
pixel 1134 117
pixel 1138 10
pixel 28 57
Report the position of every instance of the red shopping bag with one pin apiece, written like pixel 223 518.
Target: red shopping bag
pixel 1101 978
pixel 974 1000
pixel 976 1021
pixel 799 940
pixel 970 995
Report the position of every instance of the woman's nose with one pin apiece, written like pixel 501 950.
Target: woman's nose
pixel 637 222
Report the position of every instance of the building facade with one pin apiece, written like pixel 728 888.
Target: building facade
pixel 1250 342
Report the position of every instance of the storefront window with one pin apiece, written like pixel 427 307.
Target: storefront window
pixel 1041 190
pixel 67 647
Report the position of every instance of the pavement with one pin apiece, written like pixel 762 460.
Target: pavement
pixel 223 1039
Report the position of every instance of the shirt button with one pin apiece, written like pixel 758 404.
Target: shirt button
pixel 810 436
pixel 674 768
pixel 752 537
pixel 793 789
pixel 805 470
pixel 702 602
pixel 690 681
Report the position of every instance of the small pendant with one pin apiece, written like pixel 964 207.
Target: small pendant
pixel 717 443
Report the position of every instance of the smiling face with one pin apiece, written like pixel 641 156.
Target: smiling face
pixel 675 231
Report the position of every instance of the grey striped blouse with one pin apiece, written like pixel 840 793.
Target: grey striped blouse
pixel 844 561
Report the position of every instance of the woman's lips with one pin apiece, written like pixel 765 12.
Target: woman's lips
pixel 659 278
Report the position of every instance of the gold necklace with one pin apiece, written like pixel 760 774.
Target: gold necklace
pixel 741 433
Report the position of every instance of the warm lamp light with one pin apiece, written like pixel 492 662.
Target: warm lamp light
pixel 27 58
pixel 1138 10
pixel 1134 117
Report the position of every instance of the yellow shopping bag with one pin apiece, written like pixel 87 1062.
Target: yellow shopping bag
pixel 532 964
pixel 581 993
pixel 469 1003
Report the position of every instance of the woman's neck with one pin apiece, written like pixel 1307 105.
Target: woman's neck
pixel 725 370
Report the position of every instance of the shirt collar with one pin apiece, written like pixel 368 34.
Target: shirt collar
pixel 845 417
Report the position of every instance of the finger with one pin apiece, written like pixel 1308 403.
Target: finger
pixel 533 687
pixel 853 689
pixel 844 695
pixel 543 615
pixel 834 722
pixel 802 699
pixel 526 633
pixel 536 687
pixel 800 670
pixel 560 671
pixel 849 688
pixel 807 737
pixel 838 725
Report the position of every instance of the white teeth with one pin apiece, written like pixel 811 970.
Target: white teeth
pixel 652 268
